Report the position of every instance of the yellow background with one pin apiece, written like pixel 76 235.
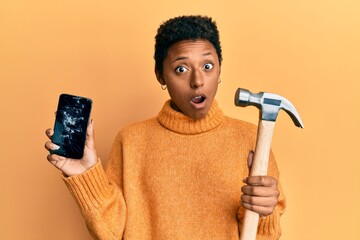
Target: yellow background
pixel 307 51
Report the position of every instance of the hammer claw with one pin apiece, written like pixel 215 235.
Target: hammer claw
pixel 290 109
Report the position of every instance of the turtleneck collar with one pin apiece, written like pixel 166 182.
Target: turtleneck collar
pixel 180 123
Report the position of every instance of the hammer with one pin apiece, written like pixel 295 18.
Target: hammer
pixel 269 105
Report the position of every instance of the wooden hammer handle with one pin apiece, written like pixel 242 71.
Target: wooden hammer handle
pixel 258 168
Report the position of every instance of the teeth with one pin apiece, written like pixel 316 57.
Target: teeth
pixel 197 99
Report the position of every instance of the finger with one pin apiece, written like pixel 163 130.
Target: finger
pixel 262 211
pixel 259 191
pixel 51 146
pixel 266 181
pixel 49 133
pixel 57 161
pixel 90 141
pixel 54 159
pixel 259 201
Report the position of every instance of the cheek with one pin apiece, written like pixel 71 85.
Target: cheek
pixel 174 90
pixel 214 82
pixel 215 88
pixel 176 83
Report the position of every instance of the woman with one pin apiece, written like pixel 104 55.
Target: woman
pixel 182 174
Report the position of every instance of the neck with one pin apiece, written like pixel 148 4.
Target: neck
pixel 174 106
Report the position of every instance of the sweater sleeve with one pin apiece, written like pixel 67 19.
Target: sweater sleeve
pixel 269 227
pixel 100 199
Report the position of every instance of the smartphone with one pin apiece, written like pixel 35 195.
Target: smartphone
pixel 72 118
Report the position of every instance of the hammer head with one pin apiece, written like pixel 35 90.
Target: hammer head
pixel 269 105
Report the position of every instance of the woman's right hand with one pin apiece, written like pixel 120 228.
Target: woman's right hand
pixel 69 166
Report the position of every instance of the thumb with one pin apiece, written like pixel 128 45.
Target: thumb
pixel 90 142
pixel 250 159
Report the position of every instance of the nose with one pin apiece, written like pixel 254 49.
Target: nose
pixel 197 79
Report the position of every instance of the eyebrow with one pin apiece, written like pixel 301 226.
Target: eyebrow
pixel 179 58
pixel 182 58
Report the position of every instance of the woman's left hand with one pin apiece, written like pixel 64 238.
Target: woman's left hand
pixel 260 194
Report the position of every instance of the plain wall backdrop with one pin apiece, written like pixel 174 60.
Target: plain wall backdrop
pixel 307 51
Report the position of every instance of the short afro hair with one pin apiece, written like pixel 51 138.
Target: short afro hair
pixel 184 28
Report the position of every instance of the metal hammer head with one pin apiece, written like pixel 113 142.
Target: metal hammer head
pixel 269 105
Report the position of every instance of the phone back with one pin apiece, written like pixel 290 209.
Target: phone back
pixel 72 118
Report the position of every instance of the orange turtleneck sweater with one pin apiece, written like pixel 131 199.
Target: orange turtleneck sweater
pixel 172 177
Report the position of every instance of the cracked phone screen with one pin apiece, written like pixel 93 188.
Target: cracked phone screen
pixel 72 117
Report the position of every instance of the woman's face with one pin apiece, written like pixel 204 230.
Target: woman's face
pixel 191 72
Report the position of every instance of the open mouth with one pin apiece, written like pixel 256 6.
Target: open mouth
pixel 198 99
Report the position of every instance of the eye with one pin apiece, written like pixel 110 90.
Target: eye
pixel 181 69
pixel 208 66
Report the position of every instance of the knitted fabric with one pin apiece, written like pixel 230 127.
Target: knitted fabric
pixel 172 177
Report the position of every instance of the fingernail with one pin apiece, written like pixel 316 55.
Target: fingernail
pixel 55 147
pixel 244 180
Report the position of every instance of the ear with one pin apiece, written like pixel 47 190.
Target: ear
pixel 160 77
